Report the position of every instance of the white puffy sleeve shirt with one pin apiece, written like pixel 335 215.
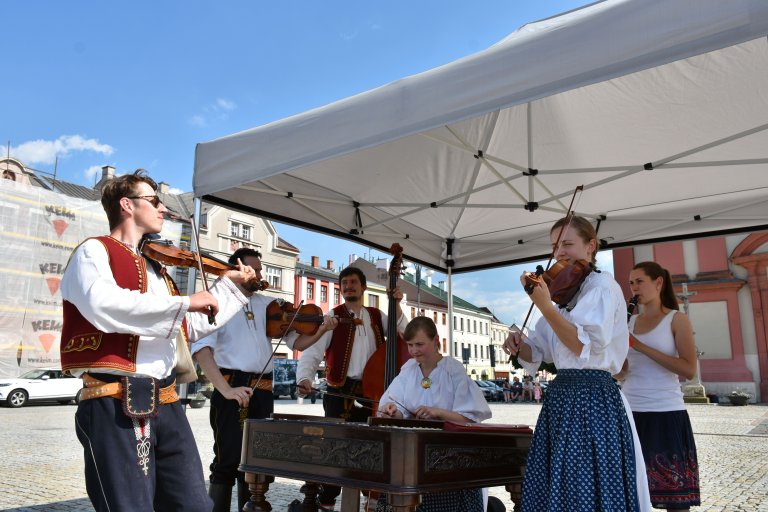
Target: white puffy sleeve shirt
pixel 363 347
pixel 155 316
pixel 600 317
pixel 243 344
pixel 450 389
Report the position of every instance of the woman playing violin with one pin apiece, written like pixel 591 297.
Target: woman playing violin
pixel 583 455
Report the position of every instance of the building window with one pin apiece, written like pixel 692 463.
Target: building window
pixel 444 318
pixel 204 222
pixel 454 323
pixel 373 300
pixel 456 349
pixel 239 230
pixel 336 296
pixel 461 321
pixel 474 325
pixel 323 293
pixel 274 277
pixel 445 346
pixel 310 291
pixel 475 347
pixel 413 312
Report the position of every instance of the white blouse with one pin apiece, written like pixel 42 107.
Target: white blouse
pixel 155 316
pixel 450 388
pixel 363 347
pixel 243 344
pixel 600 317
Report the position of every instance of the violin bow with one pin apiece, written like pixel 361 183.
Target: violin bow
pixel 347 396
pixel 203 278
pixel 569 216
pixel 272 356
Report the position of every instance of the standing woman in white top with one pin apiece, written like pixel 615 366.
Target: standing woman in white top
pixel 662 350
pixel 585 454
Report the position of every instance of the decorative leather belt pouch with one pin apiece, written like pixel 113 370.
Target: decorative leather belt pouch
pixel 140 397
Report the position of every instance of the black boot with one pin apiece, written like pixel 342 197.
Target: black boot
pixel 243 494
pixel 221 495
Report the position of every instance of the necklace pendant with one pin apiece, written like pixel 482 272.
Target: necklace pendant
pixel 426 383
pixel 248 315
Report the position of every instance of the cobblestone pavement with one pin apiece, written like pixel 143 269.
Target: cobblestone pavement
pixel 41 463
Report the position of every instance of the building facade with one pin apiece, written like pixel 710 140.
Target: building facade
pixel 726 279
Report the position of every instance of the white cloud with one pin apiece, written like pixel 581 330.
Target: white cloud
pixel 91 172
pixel 219 109
pixel 45 151
pixel 348 36
pixel 174 190
pixel 197 120
pixel 225 104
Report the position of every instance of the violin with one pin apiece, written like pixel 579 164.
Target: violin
pixel 164 252
pixel 563 279
pixel 305 320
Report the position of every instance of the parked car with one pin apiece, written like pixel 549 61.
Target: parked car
pixel 497 393
pixel 42 385
pixel 487 392
pixel 284 378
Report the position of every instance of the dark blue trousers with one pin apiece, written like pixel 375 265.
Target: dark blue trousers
pixel 114 476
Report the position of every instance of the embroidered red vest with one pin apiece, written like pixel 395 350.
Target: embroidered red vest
pixel 339 351
pixel 82 344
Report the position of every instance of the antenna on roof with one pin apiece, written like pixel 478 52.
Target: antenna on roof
pixel 55 168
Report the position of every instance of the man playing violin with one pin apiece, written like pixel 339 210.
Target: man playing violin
pixel 237 359
pixel 346 347
pixel 123 319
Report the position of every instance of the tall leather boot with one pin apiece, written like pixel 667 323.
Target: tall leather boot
pixel 243 494
pixel 221 494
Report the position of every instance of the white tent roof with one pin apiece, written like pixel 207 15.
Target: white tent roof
pixel 659 108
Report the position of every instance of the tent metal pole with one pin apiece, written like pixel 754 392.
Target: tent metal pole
pixel 450 314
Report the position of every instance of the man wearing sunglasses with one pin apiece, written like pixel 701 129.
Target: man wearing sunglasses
pixel 123 323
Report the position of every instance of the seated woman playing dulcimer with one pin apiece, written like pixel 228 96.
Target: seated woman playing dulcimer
pixel 433 387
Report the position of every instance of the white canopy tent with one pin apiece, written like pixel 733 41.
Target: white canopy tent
pixel 659 108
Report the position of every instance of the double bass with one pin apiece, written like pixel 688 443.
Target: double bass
pixel 382 367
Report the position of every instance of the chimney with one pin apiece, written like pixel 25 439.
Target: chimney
pixel 107 174
pixel 352 258
pixel 163 188
pixel 329 265
pixel 315 261
pixel 429 279
pixel 441 285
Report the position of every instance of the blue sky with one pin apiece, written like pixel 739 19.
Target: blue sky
pixel 138 84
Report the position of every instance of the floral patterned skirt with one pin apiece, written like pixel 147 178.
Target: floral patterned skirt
pixel 669 451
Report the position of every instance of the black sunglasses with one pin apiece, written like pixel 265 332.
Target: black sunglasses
pixel 153 200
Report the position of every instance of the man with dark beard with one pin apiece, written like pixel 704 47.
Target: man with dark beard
pixel 346 348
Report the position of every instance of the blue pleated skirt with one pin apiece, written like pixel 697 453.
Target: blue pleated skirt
pixel 582 455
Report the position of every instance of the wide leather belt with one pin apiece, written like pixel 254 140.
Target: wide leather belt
pixel 95 388
pixel 264 384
